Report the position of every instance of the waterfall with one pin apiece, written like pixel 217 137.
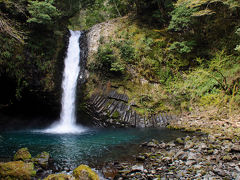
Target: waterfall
pixel 67 123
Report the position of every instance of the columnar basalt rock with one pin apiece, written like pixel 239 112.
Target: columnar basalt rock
pixel 111 109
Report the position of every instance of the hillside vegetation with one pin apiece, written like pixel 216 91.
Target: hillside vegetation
pixel 172 56
pixel 166 55
pixel 33 38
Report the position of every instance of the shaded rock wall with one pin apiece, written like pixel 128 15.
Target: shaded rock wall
pixel 111 109
pixel 115 107
pixel 83 43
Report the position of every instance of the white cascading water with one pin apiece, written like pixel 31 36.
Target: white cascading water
pixel 67 123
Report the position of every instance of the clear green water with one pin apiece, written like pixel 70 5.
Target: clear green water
pixel 92 147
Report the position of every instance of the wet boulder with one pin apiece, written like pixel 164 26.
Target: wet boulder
pixel 42 160
pixel 59 177
pixel 235 148
pixel 17 170
pixel 83 172
pixel 22 154
pixel 180 141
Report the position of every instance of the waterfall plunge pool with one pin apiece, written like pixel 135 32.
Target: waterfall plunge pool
pixel 93 147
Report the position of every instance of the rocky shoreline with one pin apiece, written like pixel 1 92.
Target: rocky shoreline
pixel 197 157
pixel 213 153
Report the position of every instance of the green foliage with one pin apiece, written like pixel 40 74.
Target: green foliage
pixel 107 61
pixel 105 56
pixel 154 11
pixel 182 47
pixel 28 57
pixel 97 11
pixel 215 99
pixel 117 67
pixel 119 7
pixel 209 84
pixel 165 75
pixel 238 46
pixel 116 115
pixel 95 14
pixel 126 50
pixel 181 18
pixel 42 12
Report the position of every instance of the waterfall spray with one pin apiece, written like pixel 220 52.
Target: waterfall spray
pixel 67 123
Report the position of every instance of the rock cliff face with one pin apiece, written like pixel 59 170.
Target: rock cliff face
pixel 83 42
pixel 105 101
pixel 112 109
pixel 105 29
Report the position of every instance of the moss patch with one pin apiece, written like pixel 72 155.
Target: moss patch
pixel 115 115
pixel 17 170
pixel 85 172
pixel 59 177
pixel 22 154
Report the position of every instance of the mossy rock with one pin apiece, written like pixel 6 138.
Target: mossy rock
pixel 42 159
pixel 17 170
pixel 180 141
pixel 59 177
pixel 227 158
pixel 22 154
pixel 83 172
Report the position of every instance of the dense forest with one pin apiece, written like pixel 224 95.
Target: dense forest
pixel 188 47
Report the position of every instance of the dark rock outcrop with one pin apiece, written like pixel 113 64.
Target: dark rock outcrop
pixel 111 109
pixel 83 43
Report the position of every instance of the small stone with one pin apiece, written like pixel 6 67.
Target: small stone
pixel 215 151
pixel 171 145
pixel 202 146
pixel 181 173
pixel 197 166
pixel 140 158
pixel 151 144
pixel 219 172
pixel 155 141
pixel 137 167
pixel 190 163
pixel 162 145
pixel 237 168
pixel 153 171
pixel 211 138
pixel 167 159
pixel 226 158
pixel 188 145
pixel 179 154
pixel 210 151
pixel 42 159
pixel 235 148
pixel 179 141
pixel 109 172
pixel 187 138
pixel 192 156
